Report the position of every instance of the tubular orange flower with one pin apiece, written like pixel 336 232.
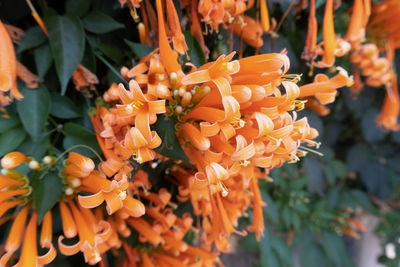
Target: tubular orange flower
pixel 323 88
pixel 8 65
pixel 264 15
pixel 328 29
pixel 249 29
pixel 178 39
pixel 168 56
pixel 12 160
pixel 309 52
pixel 391 107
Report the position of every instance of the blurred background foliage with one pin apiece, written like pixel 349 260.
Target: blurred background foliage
pixel 307 202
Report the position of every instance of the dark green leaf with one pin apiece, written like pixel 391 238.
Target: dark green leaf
pixel 340 168
pixel 33 110
pixel 32 37
pixel 78 8
pixel 46 192
pixel 67 44
pixel 8 123
pixel 282 250
pixel 268 257
pixel 117 76
pixel 62 107
pixel 334 247
pixel 314 172
pixel 76 134
pixel 98 22
pixel 195 52
pixel 111 51
pixel 170 146
pixel 43 59
pixel 330 174
pixel 375 178
pixel 370 130
pixel 11 139
pixel 35 149
pixel 312 255
pixel 270 211
pixel 357 157
pixel 140 50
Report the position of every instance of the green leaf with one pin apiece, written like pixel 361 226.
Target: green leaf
pixel 111 69
pixel 195 52
pixel 268 257
pixel 370 130
pixel 270 211
pixel 67 44
pixel 76 134
pixel 62 107
pixel 111 51
pixel 8 123
pixel 78 8
pixel 376 179
pixel 140 50
pixel 98 22
pixel 32 37
pixel 11 139
pixel 312 255
pixel 46 192
pixel 330 174
pixel 282 250
pixel 340 168
pixel 314 172
pixel 43 59
pixel 35 149
pixel 33 110
pixel 170 146
pixel 334 248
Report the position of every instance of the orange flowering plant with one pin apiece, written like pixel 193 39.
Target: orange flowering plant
pixel 148 133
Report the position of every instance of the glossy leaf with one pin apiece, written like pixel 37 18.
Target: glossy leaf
pixel 78 8
pixel 76 134
pixel 46 192
pixel 313 170
pixel 334 248
pixel 33 37
pixel 195 52
pixel 98 22
pixel 8 123
pixel 170 146
pixel 43 59
pixel 62 107
pixel 36 149
pixel 11 139
pixel 33 110
pixel 67 44
pixel 140 50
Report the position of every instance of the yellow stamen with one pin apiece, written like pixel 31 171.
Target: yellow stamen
pixel 122 194
pixel 299 104
pixel 225 191
pixel 312 143
pixel 291 77
pixel 244 163
pixel 238 123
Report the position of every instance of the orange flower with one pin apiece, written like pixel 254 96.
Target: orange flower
pixel 8 65
pixel 178 39
pixel 250 30
pixel 323 88
pixel 328 29
pixel 391 107
pixel 91 237
pixel 12 160
pixel 309 52
pixel 113 192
